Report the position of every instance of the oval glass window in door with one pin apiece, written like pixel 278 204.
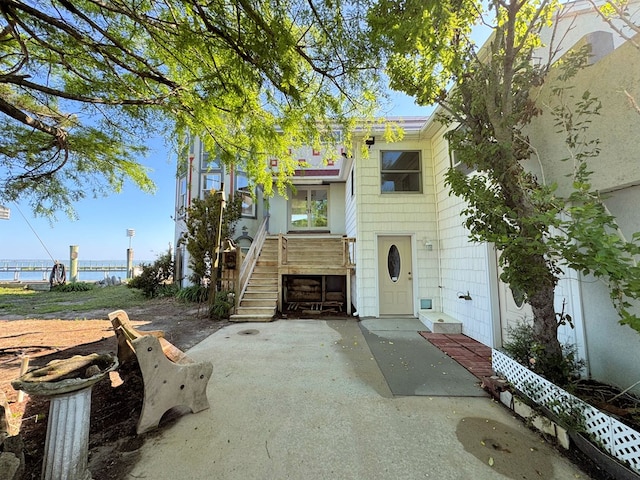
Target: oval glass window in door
pixel 518 296
pixel 393 263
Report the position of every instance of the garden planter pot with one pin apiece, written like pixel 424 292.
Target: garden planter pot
pixel 601 459
pixel 613 437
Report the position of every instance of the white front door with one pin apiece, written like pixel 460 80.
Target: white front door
pixel 395 281
pixel 309 208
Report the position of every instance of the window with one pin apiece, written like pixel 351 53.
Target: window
pixel 400 171
pixel 182 198
pixel 457 164
pixel 460 133
pixel 353 184
pixel 248 200
pixel 207 164
pixel 211 182
pixel 211 175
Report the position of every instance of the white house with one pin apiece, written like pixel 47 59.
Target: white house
pixel 401 246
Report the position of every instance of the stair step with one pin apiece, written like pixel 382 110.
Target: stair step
pixel 261 311
pixel 251 318
pixel 260 295
pixel 257 303
pixel 263 286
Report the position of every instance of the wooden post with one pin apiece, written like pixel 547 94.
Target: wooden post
pixel 24 365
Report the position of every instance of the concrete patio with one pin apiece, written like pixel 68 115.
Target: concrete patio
pixel 305 399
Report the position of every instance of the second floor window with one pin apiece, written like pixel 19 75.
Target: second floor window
pixel 400 171
pixel 207 164
pixel 211 182
pixel 243 189
pixel 182 198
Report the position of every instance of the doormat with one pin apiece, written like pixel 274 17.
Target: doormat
pixel 413 367
pixel 471 354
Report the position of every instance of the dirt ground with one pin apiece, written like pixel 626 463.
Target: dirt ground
pixel 115 405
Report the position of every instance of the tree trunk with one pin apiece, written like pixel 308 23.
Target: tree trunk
pixel 549 361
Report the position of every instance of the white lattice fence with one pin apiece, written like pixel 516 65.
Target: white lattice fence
pixel 616 438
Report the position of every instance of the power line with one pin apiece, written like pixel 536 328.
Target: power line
pixel 35 233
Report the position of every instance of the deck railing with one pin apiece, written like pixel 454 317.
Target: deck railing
pixel 282 250
pixel 348 251
pixel 250 259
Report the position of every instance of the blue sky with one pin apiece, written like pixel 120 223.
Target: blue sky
pixel 101 229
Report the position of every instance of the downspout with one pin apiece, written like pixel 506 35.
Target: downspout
pixel 191 157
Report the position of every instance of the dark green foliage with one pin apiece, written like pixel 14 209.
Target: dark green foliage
pixel 204 232
pixel 85 83
pixel 193 293
pixel 524 349
pixel 154 279
pixel 222 305
pixel 73 287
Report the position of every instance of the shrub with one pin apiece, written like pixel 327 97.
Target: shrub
pixel 522 347
pixel 222 305
pixel 154 279
pixel 193 293
pixel 73 287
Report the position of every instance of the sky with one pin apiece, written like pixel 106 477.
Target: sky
pixel 100 232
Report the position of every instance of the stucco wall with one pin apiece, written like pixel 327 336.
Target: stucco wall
pixel 616 126
pixel 611 349
pixel 575 20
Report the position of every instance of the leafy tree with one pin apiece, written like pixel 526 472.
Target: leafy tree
pixel 82 84
pixel 204 234
pixel 155 278
pixel 488 99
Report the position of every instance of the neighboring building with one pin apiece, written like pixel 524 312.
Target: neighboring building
pixel 199 175
pixel 400 247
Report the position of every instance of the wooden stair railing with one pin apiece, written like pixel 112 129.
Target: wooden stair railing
pixel 250 260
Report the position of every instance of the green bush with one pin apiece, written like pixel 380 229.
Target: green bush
pixel 222 305
pixel 73 287
pixel 154 279
pixel 193 293
pixel 522 347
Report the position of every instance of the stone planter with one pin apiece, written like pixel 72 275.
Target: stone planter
pixel 612 437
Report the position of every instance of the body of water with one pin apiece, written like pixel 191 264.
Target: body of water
pixel 39 270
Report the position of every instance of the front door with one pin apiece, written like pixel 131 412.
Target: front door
pixel 309 207
pixel 395 282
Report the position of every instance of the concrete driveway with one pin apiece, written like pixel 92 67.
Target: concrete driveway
pixel 305 399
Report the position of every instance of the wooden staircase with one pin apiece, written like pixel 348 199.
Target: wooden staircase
pixel 260 299
pixel 290 255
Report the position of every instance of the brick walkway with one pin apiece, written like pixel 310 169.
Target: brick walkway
pixel 472 355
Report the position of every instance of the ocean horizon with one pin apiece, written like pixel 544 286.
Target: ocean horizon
pixel 38 270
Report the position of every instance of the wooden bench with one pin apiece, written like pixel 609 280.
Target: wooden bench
pixel 170 377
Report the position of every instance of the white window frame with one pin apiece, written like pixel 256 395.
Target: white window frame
pixel 210 182
pixel 250 211
pixel 417 172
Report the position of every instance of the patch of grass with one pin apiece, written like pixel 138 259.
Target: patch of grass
pixel 33 303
